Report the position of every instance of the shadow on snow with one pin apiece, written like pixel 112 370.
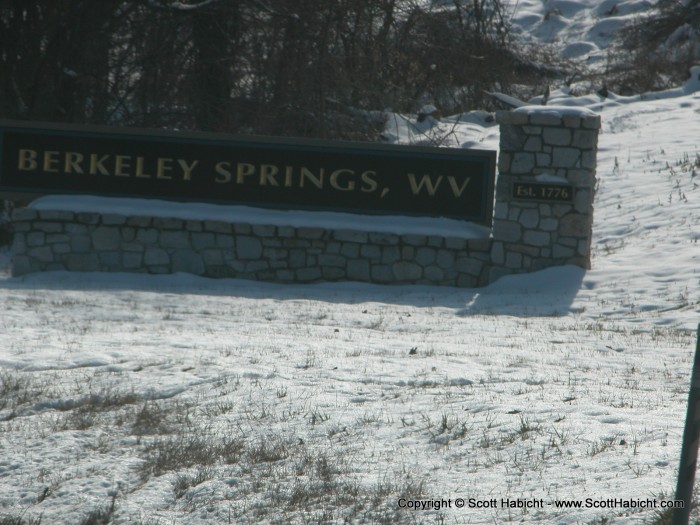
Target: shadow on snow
pixel 549 292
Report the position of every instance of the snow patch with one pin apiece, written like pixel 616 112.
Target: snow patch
pixel 397 224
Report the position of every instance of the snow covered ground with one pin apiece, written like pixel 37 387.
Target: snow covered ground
pixel 181 400
pixel 582 29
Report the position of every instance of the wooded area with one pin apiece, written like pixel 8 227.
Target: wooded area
pixel 318 68
pixel 276 67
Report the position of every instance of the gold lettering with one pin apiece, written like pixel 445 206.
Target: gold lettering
pixel 121 163
pixel 316 181
pixel 523 191
pixel 96 164
pixel 267 175
pixel 187 168
pixel 288 173
pixel 243 170
pixel 72 162
pixel 426 181
pixel 368 183
pixel 162 165
pixel 222 168
pixel 51 161
pixel 27 160
pixel 139 169
pixel 334 180
pixel 457 190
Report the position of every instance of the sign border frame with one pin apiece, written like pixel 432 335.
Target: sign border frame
pixel 258 142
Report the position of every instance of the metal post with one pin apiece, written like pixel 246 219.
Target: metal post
pixel 689 452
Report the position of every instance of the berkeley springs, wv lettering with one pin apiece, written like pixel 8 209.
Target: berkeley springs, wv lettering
pixel 368 181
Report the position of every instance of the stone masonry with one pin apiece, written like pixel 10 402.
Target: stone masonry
pixel 59 240
pixel 544 144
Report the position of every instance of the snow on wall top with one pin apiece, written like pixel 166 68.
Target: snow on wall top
pixel 559 111
pixel 398 225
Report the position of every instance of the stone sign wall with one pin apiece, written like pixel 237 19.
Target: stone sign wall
pixel 542 217
pixel 60 240
pixel 544 195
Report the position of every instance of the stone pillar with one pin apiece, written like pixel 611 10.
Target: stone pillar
pixel 544 192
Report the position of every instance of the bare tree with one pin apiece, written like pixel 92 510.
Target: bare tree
pixel 282 67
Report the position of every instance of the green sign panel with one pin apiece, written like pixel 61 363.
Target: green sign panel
pixel 37 158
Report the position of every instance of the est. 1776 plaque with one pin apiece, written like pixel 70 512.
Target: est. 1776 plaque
pixel 543 191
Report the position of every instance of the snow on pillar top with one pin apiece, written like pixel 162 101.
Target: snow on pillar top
pixel 559 116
